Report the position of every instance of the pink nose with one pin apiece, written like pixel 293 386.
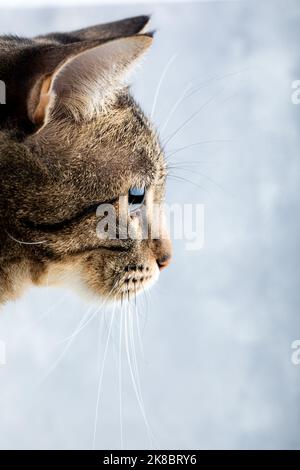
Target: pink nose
pixel 163 261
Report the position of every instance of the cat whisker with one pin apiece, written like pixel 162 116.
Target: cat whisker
pixel 91 317
pixel 163 74
pixel 203 142
pixel 174 108
pixel 217 78
pixel 192 163
pixel 138 328
pixel 186 180
pixel 64 351
pixel 101 374
pixel 185 96
pixel 81 326
pixel 21 242
pixel 45 314
pixel 212 181
pixel 146 299
pixel 135 387
pixel 195 114
pixel 133 350
pixel 120 378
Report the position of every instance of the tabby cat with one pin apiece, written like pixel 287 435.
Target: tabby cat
pixel 71 139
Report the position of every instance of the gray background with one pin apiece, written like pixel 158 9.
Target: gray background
pixel 217 329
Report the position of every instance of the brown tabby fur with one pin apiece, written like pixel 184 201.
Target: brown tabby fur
pixel 52 171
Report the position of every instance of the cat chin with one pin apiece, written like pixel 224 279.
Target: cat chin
pixel 76 284
pixel 88 294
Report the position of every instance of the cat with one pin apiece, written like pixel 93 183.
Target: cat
pixel 72 138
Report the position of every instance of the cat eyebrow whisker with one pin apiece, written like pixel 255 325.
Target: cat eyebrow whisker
pixel 170 153
pixel 202 85
pixel 175 106
pixel 160 82
pixel 203 175
pixel 192 117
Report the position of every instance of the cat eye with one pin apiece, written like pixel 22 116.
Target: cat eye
pixel 136 198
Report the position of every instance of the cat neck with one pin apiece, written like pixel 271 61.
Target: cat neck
pixel 15 273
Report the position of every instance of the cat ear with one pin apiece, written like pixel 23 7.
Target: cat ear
pixel 84 83
pixel 122 28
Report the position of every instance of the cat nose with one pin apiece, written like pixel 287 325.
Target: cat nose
pixel 162 250
pixel 163 261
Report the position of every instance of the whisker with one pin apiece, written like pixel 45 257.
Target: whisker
pixel 101 379
pixel 186 180
pixel 195 114
pixel 133 351
pixel 203 142
pixel 174 108
pixel 81 327
pixel 120 379
pixel 204 84
pixel 91 318
pixel 21 242
pixel 146 301
pixel 163 74
pixel 43 315
pixel 64 351
pixel 200 161
pixel 140 402
pixel 212 181
pixel 217 78
pixel 82 324
pixel 138 329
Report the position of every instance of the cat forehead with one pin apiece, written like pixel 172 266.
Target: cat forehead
pixel 112 152
pixel 121 134
pixel 126 147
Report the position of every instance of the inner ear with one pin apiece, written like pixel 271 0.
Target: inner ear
pixel 84 83
pixel 39 114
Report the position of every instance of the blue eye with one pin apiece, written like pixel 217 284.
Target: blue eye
pixel 136 197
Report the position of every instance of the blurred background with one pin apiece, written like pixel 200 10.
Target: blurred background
pixel 215 364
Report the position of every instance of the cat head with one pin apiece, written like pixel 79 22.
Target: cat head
pixel 84 156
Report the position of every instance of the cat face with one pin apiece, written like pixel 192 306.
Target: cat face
pixel 85 182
